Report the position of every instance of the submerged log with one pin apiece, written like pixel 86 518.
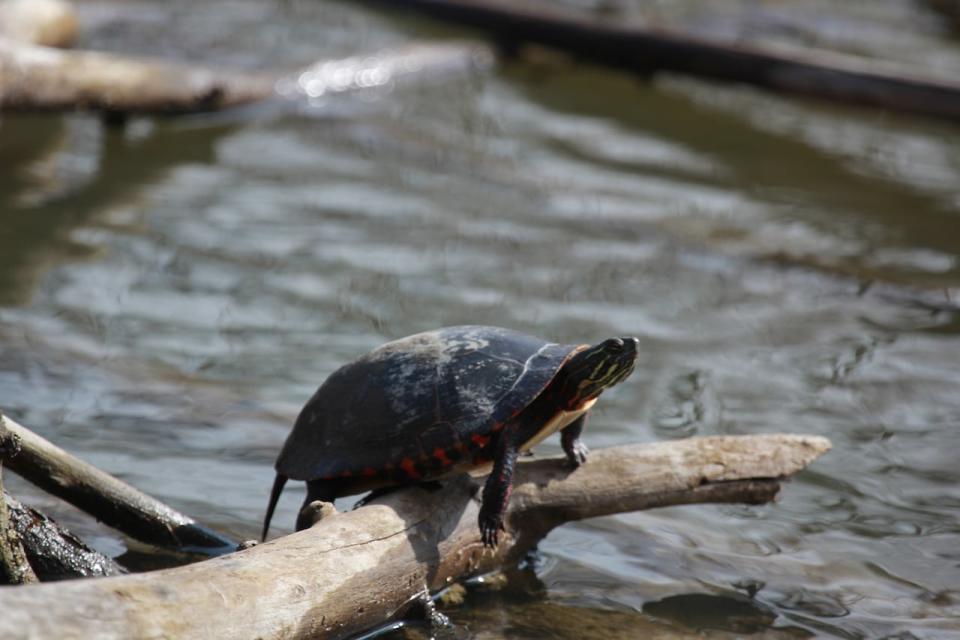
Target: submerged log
pixel 110 500
pixel 648 50
pixel 34 78
pixel 353 571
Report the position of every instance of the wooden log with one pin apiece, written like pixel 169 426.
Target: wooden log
pixel 647 50
pixel 107 498
pixel 14 567
pixel 52 23
pixel 34 78
pixel 355 570
pixel 54 552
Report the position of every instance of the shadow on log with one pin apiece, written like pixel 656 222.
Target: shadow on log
pixel 354 571
pixel 647 50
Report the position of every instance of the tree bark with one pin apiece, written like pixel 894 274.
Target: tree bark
pixel 34 78
pixel 356 570
pixel 110 500
pixel 647 50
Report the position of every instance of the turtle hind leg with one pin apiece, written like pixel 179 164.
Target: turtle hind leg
pixel 317 490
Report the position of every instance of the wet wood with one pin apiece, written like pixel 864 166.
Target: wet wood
pixel 355 570
pixel 34 78
pixel 54 552
pixel 14 566
pixel 648 50
pixel 110 500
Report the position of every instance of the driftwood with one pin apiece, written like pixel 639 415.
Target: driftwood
pixel 52 23
pixel 52 551
pixel 353 571
pixel 14 567
pixel 110 500
pixel 648 50
pixel 35 78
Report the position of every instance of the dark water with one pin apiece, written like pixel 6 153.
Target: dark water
pixel 170 295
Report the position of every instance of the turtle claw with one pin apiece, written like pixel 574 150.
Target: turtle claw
pixel 577 454
pixel 490 528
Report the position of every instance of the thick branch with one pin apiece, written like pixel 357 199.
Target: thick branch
pixel 647 50
pixel 353 571
pixel 34 78
pixel 110 500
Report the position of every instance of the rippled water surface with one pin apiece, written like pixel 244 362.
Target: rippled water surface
pixel 172 292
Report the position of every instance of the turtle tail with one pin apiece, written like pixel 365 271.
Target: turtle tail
pixel 278 484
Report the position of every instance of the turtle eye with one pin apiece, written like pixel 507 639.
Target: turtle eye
pixel 615 345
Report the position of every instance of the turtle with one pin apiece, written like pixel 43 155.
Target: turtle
pixel 443 402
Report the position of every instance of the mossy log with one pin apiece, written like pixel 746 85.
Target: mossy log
pixel 353 571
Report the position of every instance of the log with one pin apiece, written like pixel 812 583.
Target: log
pixel 35 78
pixel 107 498
pixel 52 23
pixel 647 50
pixel 14 567
pixel 53 551
pixel 356 570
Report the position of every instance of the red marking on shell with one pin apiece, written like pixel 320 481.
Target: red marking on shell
pixel 499 425
pixel 441 455
pixel 346 474
pixel 409 467
pixel 479 440
pixel 369 471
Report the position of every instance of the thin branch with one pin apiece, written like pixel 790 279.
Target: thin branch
pixel 110 500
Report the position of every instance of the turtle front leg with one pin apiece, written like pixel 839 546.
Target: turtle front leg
pixel 496 491
pixel 572 445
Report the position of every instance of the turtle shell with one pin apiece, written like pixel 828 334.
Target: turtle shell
pixel 420 404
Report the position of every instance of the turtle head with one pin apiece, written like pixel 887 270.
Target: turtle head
pixel 593 369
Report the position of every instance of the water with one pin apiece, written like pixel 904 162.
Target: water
pixel 171 294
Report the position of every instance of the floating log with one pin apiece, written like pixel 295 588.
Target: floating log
pixel 110 500
pixel 353 571
pixel 35 78
pixel 648 50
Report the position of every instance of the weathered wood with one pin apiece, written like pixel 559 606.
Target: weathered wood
pixel 353 571
pixel 647 50
pixel 110 500
pixel 54 552
pixel 14 567
pixel 52 23
pixel 34 78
